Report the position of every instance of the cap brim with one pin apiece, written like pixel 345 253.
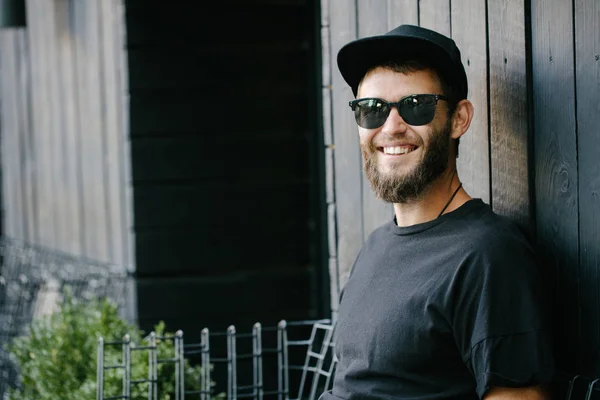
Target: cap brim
pixel 357 57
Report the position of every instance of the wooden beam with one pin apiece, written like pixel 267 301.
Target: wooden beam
pixel 347 159
pixel 372 20
pixel 587 55
pixel 402 12
pixel 556 179
pixel 509 111
pixel 435 15
pixel 469 33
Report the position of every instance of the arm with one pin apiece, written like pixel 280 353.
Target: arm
pixel 525 393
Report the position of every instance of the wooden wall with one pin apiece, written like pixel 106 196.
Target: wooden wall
pixel 64 130
pixel 566 85
pixel 225 161
pixel 532 150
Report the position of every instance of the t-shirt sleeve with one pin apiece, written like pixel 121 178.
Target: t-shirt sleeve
pixel 500 322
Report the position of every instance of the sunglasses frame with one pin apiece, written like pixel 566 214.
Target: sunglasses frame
pixel 403 102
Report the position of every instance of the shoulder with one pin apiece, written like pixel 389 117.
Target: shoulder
pixel 493 246
pixel 490 233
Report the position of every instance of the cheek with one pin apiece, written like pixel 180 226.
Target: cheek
pixel 364 136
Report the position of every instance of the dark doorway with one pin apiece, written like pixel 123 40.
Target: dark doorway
pixel 227 162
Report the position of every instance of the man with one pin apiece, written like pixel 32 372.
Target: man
pixel 445 301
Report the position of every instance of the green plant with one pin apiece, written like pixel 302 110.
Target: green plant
pixel 57 359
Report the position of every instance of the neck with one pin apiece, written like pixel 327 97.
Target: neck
pixel 428 206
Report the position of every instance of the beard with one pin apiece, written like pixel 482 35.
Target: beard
pixel 394 187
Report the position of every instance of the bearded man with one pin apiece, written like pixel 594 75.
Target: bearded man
pixel 446 301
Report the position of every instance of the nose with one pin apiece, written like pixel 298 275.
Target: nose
pixel 394 124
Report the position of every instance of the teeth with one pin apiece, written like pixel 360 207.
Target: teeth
pixel 396 150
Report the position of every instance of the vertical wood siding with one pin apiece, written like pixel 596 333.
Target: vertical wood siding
pixel 531 151
pixel 566 84
pixel 64 136
pixel 587 89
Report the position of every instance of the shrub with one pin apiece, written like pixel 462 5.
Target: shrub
pixel 57 358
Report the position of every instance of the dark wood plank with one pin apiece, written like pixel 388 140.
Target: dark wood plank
pixel 402 12
pixel 435 15
pixel 158 113
pixel 264 293
pixel 556 177
pixel 347 154
pixel 215 249
pixel 205 203
pixel 469 33
pixel 256 22
pixel 509 111
pixel 587 47
pixel 188 70
pixel 248 157
pixel 91 128
pixel 372 20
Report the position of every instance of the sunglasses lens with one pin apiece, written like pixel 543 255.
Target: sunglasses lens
pixel 418 110
pixel 371 113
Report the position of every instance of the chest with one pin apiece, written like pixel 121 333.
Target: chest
pixel 396 312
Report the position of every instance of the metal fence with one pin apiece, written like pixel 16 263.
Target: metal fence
pixel 32 281
pixel 302 379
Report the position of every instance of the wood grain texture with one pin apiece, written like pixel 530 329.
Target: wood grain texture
pixel 332 231
pixel 587 54
pixel 435 15
pixel 347 158
pixel 372 20
pixel 91 127
pixel 67 82
pixel 112 133
pixel 556 177
pixel 40 123
pixel 402 12
pixel 124 110
pixel 55 128
pixel 469 33
pixel 329 176
pixel 11 160
pixel 509 111
pixel 327 117
pixel 334 285
pixel 326 55
pixel 23 104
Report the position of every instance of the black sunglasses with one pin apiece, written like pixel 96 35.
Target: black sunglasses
pixel 416 110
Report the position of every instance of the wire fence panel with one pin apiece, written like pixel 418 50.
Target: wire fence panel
pixel 292 377
pixel 32 282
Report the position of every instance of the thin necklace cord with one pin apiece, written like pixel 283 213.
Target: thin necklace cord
pixel 450 201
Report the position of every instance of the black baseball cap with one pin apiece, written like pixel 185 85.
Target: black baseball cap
pixel 405 42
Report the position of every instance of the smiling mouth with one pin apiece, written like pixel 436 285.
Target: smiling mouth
pixel 397 150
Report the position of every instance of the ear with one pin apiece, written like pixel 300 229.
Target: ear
pixel 461 120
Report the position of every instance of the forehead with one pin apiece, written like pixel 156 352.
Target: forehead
pixel 390 85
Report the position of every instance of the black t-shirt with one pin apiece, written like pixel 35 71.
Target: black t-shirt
pixel 442 310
